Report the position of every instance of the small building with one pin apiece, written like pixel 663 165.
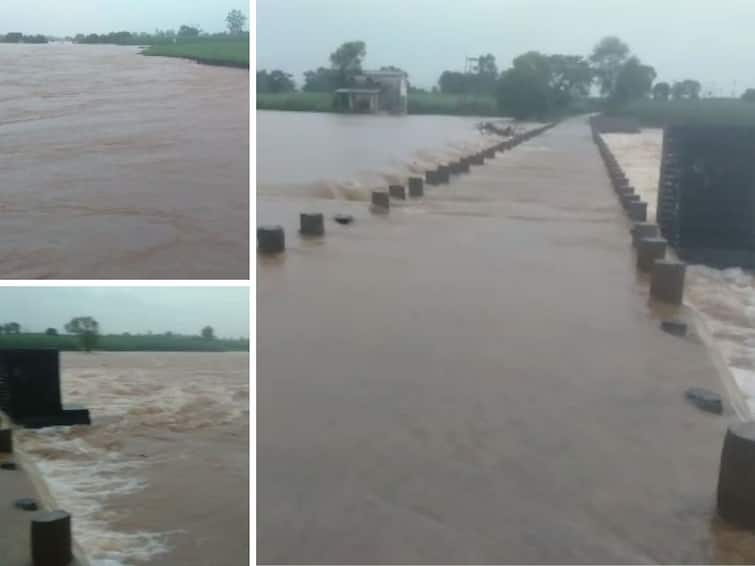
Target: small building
pixel 375 91
pixel 362 100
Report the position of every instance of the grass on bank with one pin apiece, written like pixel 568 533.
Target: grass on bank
pixel 231 52
pixel 710 111
pixel 126 343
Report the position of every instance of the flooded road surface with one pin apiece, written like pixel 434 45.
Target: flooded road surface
pixel 725 298
pixel 116 165
pixel 343 156
pixel 162 475
pixel 477 377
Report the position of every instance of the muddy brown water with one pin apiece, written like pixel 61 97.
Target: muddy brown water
pixel 162 474
pixel 116 165
pixel 477 376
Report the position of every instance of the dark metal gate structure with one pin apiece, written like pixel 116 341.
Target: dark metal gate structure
pixel 30 389
pixel 706 194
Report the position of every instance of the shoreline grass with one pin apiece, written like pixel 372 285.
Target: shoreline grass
pixel 231 52
pixel 126 343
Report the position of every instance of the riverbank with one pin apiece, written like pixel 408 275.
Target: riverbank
pixel 507 377
pixel 221 52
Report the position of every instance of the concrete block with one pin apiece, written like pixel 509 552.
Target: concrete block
pixel 271 239
pixel 397 191
pixel 649 250
pixel 381 200
pixel 311 224
pixel 51 539
pixel 667 281
pixel 736 476
pixel 416 186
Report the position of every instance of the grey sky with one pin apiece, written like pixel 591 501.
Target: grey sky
pixel 130 309
pixel 708 40
pixel 69 17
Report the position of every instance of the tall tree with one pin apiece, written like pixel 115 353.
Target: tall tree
pixel 188 31
pixel 749 95
pixel 86 328
pixel 661 91
pixel 275 81
pixel 348 57
pixel 633 82
pixel 608 58
pixel 570 78
pixel 524 89
pixel 235 21
pixel 321 80
pixel 687 89
pixel 208 333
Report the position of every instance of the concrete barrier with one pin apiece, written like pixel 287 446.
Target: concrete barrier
pixel 431 177
pixel 443 173
pixel 397 191
pixel 271 239
pixel 416 187
pixel 51 539
pixel 644 230
pixel 381 201
pixel 477 159
pixel 637 211
pixel 667 282
pixel 311 224
pixel 464 165
pixel 6 441
pixel 649 250
pixel 736 476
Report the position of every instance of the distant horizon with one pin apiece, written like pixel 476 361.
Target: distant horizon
pixel 66 19
pixel 136 310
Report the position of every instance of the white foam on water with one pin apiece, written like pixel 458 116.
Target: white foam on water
pixel 85 468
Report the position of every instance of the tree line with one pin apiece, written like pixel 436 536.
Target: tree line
pixel 16 37
pixel 87 330
pixel 534 86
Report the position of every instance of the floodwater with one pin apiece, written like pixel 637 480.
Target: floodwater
pixel 477 377
pixel 162 474
pixel 724 297
pixel 116 165
pixel 343 156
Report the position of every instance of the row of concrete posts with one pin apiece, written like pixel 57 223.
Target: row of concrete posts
pixel 51 540
pixel 271 240
pixel 735 495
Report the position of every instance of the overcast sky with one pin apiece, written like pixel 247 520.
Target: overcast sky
pixel 709 40
pixel 130 309
pixel 69 17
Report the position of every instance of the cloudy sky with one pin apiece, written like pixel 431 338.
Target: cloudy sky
pixel 130 309
pixel 704 39
pixel 69 17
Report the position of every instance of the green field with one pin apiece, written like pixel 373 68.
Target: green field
pixel 127 343
pixel 723 111
pixel 230 52
pixel 418 103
